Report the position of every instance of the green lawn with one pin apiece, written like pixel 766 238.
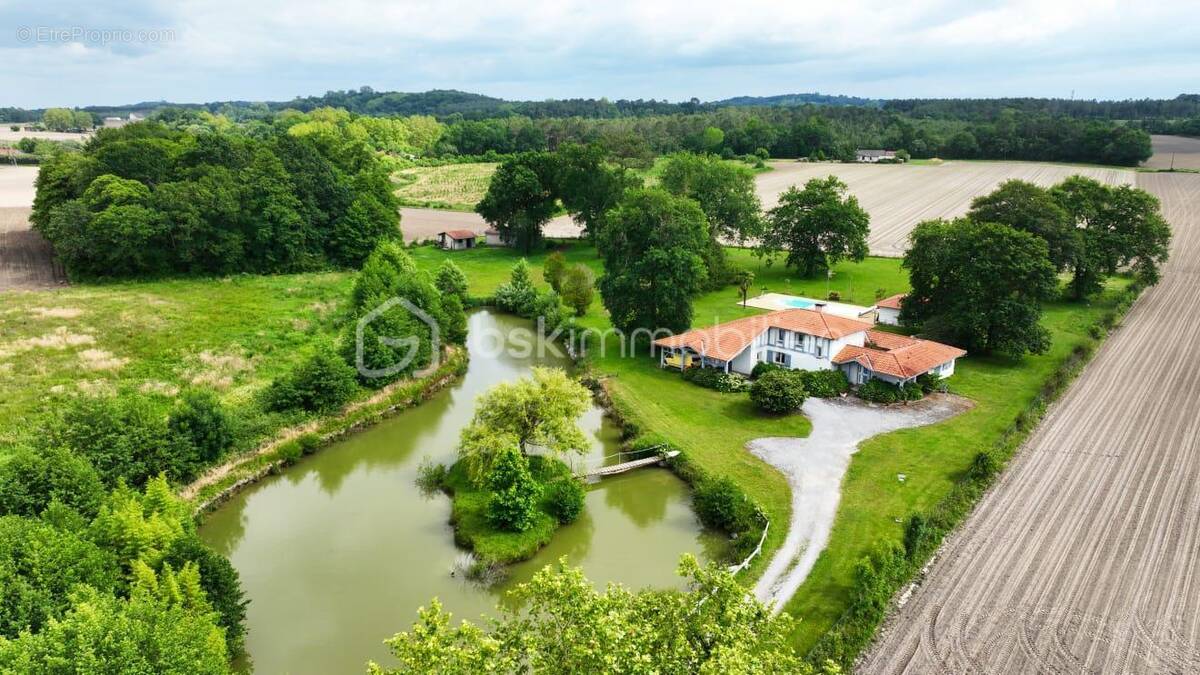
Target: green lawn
pixel 233 334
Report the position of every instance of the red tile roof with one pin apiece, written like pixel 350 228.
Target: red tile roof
pixel 892 302
pixel 459 234
pixel 898 355
pixel 726 340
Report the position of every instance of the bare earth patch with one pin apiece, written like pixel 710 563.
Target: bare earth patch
pixel 814 467
pixel 99 359
pixel 56 312
pixel 219 370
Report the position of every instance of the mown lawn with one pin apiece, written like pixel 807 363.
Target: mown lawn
pixel 233 334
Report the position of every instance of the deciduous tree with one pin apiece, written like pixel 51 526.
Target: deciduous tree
pixel 521 198
pixel 817 226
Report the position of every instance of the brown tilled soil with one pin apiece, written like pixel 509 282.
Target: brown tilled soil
pixel 26 259
pixel 900 196
pixel 422 224
pixel 1179 152
pixel 1085 558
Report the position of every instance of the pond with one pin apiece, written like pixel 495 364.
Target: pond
pixel 337 552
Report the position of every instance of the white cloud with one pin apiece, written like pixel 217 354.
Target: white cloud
pixel 674 48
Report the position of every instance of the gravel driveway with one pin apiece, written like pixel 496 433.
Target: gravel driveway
pixel 814 467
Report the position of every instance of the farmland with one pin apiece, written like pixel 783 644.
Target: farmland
pixel 1179 152
pixel 900 196
pixel 455 187
pixel 1083 557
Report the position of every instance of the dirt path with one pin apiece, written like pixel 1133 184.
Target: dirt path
pixel 1086 555
pixel 814 468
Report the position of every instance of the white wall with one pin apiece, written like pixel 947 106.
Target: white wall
pixel 802 356
pixel 887 315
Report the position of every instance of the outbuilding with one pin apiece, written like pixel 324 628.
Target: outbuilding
pixel 494 237
pixel 873 156
pixel 456 240
pixel 887 310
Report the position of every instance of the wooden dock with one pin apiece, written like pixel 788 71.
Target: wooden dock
pixel 614 469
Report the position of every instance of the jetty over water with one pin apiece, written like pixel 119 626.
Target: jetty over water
pixel 641 458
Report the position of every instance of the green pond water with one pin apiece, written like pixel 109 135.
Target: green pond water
pixel 337 552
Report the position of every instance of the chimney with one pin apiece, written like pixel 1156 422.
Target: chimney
pixel 818 307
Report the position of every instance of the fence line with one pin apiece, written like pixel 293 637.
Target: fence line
pixel 757 550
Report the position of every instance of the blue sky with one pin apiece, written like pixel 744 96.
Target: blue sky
pixel 75 53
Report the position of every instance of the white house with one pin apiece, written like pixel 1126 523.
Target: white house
pixel 887 310
pixel 808 340
pixel 456 240
pixel 493 238
pixel 873 156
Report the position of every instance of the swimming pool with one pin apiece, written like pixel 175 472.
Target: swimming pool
pixel 800 303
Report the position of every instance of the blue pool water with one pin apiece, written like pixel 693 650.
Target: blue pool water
pixel 801 303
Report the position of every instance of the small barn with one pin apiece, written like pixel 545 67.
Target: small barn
pixel 456 240
pixel 494 237
pixel 887 310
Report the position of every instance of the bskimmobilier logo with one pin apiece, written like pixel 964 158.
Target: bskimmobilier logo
pixel 411 342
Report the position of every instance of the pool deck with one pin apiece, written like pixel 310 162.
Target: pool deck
pixel 778 301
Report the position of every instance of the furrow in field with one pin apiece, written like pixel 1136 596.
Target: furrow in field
pixel 1083 558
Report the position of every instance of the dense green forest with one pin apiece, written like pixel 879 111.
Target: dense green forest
pixel 148 199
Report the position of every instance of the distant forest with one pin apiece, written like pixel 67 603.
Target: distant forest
pixel 818 126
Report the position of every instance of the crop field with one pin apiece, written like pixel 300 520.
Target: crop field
pixel 900 196
pixel 453 186
pixel 1083 557
pixel 1179 152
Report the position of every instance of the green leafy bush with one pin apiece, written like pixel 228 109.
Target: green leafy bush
pixel 514 492
pixel 825 383
pixel 778 392
pixel 518 294
pixel 199 420
pixel 221 583
pixel 564 499
pixel 722 505
pixel 878 391
pixel 451 280
pixel 320 383
pixel 763 367
pixel 718 380
pixel 309 443
pixel 124 437
pixel 30 480
pixel 930 382
pixel 454 323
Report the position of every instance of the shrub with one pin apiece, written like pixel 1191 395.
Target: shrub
pixel 722 505
pixel 778 392
pixel 878 391
pixel 431 476
pixel 554 270
pixel 930 382
pixel 718 380
pixel 454 322
pixel 319 383
pixel 579 288
pixel 513 503
pixel 123 437
pixel 825 383
pixel 564 499
pixel 30 480
pixel 549 308
pixel 763 367
pixel 834 296
pixel 221 583
pixel 518 295
pixel 289 453
pixel 309 443
pixel 451 281
pixel 201 422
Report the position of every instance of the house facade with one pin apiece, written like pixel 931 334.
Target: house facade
pixel 456 240
pixel 802 339
pixel 888 310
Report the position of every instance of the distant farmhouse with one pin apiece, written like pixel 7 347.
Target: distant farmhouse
pixel 806 339
pixel 118 122
pixel 887 310
pixel 873 156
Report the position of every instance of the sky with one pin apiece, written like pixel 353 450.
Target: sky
pixel 55 53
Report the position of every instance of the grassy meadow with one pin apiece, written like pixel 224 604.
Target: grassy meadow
pixel 457 187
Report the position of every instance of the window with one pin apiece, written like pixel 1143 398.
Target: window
pixel 779 358
pixel 865 376
pixel 820 348
pixel 779 336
